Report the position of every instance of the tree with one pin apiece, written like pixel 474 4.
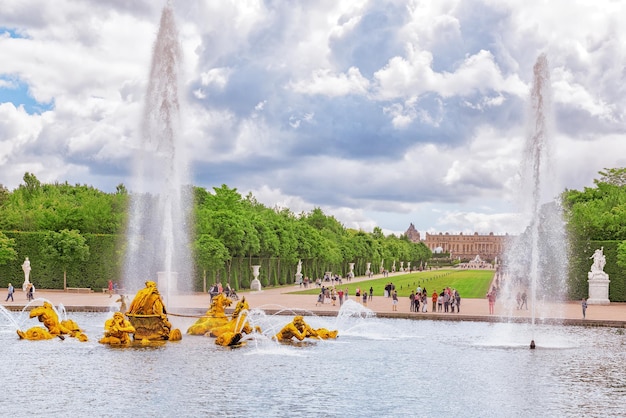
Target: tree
pixel 614 176
pixel 7 250
pixel 210 253
pixel 65 248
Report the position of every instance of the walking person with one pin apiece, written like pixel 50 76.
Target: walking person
pixel 10 290
pixel 394 301
pixel 584 306
pixel 30 292
pixel 371 293
pixel 491 297
pixel 524 300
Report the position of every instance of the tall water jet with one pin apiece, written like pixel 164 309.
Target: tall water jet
pixel 537 262
pixel 158 236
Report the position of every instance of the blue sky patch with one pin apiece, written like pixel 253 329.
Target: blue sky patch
pixel 16 92
pixel 13 33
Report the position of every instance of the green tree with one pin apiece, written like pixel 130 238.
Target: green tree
pixel 614 176
pixel 7 249
pixel 210 253
pixel 65 248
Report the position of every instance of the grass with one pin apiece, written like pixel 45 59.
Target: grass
pixel 471 284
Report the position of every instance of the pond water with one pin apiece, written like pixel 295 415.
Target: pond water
pixel 377 367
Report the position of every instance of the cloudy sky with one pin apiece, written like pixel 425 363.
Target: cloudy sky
pixel 380 112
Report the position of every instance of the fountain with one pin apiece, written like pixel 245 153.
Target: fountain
pixel 158 236
pixel 503 375
pixel 148 316
pixel 537 262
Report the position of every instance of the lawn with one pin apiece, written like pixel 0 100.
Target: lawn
pixel 471 284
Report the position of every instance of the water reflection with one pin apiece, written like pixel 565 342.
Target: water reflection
pixel 377 367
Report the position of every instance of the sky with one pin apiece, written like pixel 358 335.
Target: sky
pixel 382 113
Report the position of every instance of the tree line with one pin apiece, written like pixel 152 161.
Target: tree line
pixel 230 233
pixel 59 223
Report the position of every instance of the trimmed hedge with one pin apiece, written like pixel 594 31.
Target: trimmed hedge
pixel 103 264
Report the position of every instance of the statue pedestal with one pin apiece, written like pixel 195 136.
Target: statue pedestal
pixel 298 278
pixel 255 285
pixel 598 288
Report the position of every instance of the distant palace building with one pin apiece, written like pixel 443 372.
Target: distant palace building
pixel 464 247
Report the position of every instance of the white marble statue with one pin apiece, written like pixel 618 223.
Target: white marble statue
pixel 599 260
pixel 26 268
pixel 598 280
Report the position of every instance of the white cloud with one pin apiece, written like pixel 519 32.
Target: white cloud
pixel 379 113
pixel 329 84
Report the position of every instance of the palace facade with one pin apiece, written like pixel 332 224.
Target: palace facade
pixel 461 246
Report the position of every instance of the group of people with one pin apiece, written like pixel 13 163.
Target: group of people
pixel 448 300
pixel 419 299
pixel 522 300
pixel 330 295
pixel 217 288
pixel 30 292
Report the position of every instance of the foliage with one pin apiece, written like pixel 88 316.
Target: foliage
pixel 65 248
pixel 596 217
pixel 7 249
pixel 621 255
pixel 231 234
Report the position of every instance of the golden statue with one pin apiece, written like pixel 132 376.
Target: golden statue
pixel 214 317
pixel 301 330
pixel 297 328
pixel 117 330
pixel 122 300
pixel 148 315
pixel 35 333
pixel 325 334
pixel 229 339
pixel 238 322
pixel 48 316
pixel 74 329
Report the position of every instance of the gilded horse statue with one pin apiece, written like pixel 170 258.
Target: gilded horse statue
pixel 214 317
pixel 237 323
pixel 231 333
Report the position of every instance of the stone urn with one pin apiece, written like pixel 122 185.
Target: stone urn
pixel 256 283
